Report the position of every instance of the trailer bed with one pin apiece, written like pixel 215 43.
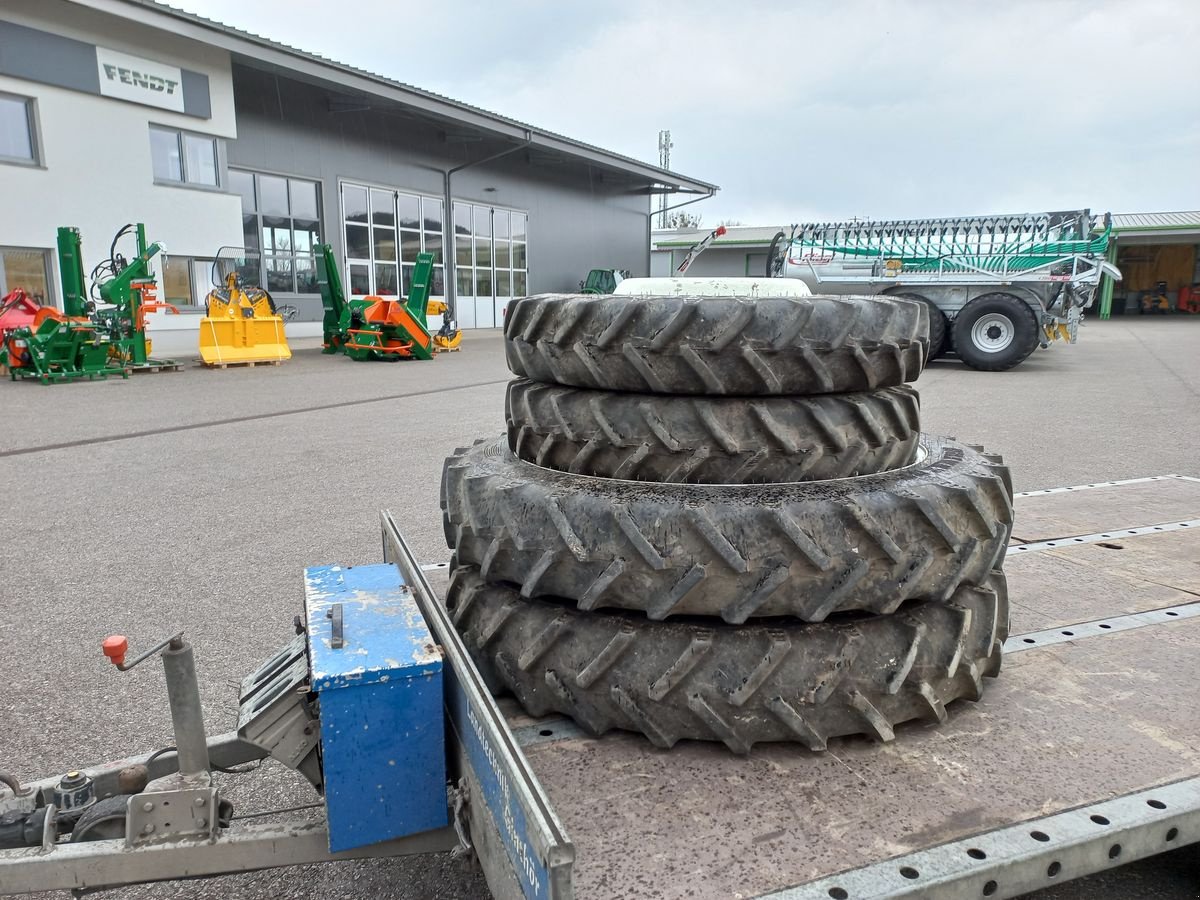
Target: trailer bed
pixel 1079 717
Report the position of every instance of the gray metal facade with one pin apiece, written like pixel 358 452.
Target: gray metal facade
pixel 580 216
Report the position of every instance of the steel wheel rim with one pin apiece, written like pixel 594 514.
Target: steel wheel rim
pixel 993 332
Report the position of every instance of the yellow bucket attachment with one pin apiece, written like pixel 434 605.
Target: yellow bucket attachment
pixel 241 329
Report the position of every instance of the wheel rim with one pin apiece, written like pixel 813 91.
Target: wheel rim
pixel 993 332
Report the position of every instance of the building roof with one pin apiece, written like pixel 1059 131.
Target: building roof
pixel 261 50
pixel 1158 221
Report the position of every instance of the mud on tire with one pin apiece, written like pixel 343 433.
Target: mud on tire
pixel 805 549
pixel 782 681
pixel 712 440
pixel 717 345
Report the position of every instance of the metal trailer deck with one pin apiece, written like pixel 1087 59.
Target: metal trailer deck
pixel 1083 755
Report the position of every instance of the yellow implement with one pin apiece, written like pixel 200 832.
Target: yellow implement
pixel 448 338
pixel 241 327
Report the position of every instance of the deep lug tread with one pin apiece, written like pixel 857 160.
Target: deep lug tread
pixel 717 345
pixel 712 440
pixel 740 685
pixel 856 544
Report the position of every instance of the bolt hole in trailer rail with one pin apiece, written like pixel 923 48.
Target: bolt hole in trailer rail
pixel 465 772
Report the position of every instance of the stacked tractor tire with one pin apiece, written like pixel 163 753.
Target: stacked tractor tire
pixel 717 519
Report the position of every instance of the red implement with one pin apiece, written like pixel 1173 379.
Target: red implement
pixel 17 310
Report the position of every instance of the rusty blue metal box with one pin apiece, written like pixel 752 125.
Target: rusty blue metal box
pixel 378 676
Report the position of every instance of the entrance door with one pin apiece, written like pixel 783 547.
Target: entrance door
pixel 490 258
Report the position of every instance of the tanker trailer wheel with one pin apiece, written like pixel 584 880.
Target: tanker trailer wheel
pixel 995 332
pixel 738 684
pixel 938 325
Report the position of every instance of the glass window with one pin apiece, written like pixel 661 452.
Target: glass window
pixel 243 183
pixel 433 244
pixel 279 273
pixel 276 234
pixel 354 203
pixel 483 282
pixel 466 285
pixel 519 286
pixel 360 279
pixel 272 195
pixel 164 155
pixel 502 283
pixel 27 270
pixel 385 279
pixel 16 129
pixel 303 198
pixel 410 210
pixel 177 280
pixel 410 245
pixel 433 214
pixel 281 218
pixel 502 255
pixel 306 275
pixel 483 253
pixel 383 208
pixel 462 218
pixel 483 221
pixel 250 233
pixel 180 156
pixel 518 227
pixel 358 241
pixel 385 244
pixel 518 256
pixel 500 223
pixel 462 251
pixel 306 234
pixel 200 155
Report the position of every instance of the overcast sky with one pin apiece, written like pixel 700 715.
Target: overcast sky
pixel 804 110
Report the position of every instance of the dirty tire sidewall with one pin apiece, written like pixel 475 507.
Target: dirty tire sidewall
pixel 995 332
pixel 712 440
pixel 804 549
pixel 938 325
pixel 724 346
pixel 740 685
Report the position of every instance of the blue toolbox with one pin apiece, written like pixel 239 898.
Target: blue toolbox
pixel 378 676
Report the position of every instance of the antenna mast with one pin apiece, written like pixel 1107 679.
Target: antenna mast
pixel 664 162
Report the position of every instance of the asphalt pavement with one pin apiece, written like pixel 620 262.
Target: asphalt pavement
pixel 195 499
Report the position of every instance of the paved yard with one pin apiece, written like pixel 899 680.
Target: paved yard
pixel 194 500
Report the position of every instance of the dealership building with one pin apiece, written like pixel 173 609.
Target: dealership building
pixel 117 111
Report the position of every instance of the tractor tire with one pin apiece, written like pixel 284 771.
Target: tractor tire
pixel 738 346
pixel 741 685
pixel 938 325
pixel 806 549
pixel 995 332
pixel 712 440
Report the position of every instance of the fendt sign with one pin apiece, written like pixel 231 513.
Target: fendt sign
pixel 139 80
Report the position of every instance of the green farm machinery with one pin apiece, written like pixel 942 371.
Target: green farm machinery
pixel 997 287
pixel 95 335
pixel 381 327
